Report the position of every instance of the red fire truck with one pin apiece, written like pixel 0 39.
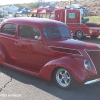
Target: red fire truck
pixel 76 23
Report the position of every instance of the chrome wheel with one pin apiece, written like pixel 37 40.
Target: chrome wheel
pixel 79 34
pixel 63 77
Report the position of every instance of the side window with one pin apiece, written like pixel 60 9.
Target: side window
pixel 9 29
pixel 28 32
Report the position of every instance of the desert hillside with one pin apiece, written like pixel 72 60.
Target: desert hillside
pixel 93 6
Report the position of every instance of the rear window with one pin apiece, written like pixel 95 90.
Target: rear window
pixel 9 29
pixel 71 15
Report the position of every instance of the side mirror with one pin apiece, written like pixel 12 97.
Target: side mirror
pixel 37 37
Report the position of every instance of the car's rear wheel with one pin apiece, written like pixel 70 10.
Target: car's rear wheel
pixel 79 34
pixel 62 78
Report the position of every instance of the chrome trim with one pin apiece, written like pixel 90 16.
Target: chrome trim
pixel 92 50
pixel 92 81
pixel 63 75
pixel 65 15
pixel 67 48
pixel 96 28
pixel 87 66
pixel 98 46
pixel 90 58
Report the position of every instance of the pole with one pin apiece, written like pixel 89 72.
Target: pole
pixel 69 3
pixel 65 15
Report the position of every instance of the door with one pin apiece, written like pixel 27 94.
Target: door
pixel 7 38
pixel 29 48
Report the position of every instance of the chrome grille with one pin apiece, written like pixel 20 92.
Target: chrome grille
pixel 95 57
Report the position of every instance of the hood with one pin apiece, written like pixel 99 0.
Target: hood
pixel 74 44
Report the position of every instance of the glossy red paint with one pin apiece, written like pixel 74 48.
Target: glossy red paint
pixel 40 57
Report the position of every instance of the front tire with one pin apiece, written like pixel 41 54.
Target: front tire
pixel 62 78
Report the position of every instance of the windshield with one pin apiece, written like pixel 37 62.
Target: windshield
pixel 52 15
pixel 56 31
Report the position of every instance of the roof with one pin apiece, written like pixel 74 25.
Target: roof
pixel 33 21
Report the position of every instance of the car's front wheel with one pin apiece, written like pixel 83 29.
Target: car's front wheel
pixel 62 78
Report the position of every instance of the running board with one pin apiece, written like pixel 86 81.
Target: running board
pixel 92 81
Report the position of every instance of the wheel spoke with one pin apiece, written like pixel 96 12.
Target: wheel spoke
pixel 65 81
pixel 61 73
pixel 65 72
pixel 68 78
pixel 60 80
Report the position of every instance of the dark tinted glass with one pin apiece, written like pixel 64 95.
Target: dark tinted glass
pixel 9 29
pixel 28 32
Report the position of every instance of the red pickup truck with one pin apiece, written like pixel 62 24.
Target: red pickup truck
pixel 76 23
pixel 44 48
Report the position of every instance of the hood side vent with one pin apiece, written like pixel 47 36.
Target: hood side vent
pixel 65 50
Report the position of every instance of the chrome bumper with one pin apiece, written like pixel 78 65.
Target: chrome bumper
pixel 92 81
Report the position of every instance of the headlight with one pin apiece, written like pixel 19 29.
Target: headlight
pixel 87 65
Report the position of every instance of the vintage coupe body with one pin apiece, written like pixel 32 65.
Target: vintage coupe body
pixel 44 48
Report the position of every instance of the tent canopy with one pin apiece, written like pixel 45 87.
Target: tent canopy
pixel 36 11
pixel 23 11
pixel 45 11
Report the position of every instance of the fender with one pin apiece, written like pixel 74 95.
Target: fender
pixel 2 54
pixel 77 71
pixel 82 27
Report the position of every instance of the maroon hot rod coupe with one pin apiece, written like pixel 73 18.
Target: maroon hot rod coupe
pixel 44 48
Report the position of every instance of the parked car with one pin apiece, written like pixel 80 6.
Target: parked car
pixel 1 18
pixel 44 48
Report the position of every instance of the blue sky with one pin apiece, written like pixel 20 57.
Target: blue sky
pixel 4 2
